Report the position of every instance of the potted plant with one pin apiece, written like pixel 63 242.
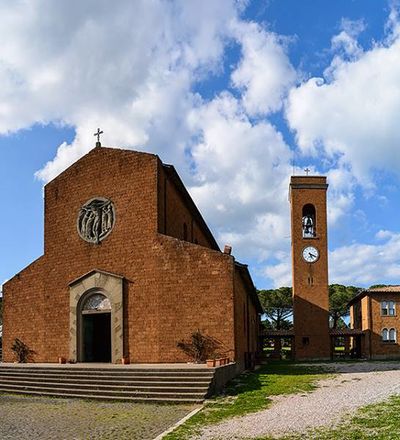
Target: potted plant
pixel 210 363
pixel 125 360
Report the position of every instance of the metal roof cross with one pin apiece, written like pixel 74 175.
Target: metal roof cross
pixel 98 144
pixel 307 171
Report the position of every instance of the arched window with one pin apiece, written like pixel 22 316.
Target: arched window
pixel 388 308
pixel 392 335
pixel 309 221
pixel 385 335
pixel 96 303
pixel 185 231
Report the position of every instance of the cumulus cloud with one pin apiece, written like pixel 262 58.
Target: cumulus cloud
pixel 132 70
pixel 358 264
pixel 351 114
pixel 365 264
pixel 241 176
pixel 264 73
pixel 128 68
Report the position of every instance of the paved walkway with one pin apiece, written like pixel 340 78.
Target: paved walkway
pixel 358 384
pixel 42 418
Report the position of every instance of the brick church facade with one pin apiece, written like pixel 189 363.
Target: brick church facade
pixel 128 259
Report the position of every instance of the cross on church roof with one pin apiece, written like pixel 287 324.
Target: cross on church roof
pixel 98 143
pixel 307 171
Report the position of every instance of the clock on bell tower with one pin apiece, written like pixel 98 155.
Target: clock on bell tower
pixel 310 267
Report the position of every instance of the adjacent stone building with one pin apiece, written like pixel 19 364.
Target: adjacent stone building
pixel 129 269
pixel 375 313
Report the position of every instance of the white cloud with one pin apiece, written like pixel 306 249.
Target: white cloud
pixel 280 273
pixel 264 73
pixel 131 70
pixel 366 264
pixel 352 114
pixel 340 194
pixel 358 264
pixel 241 176
pixel 128 68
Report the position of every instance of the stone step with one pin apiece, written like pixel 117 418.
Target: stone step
pixel 136 399
pixel 99 386
pixel 112 381
pixel 85 377
pixel 109 372
pixel 116 370
pixel 101 392
pixel 142 384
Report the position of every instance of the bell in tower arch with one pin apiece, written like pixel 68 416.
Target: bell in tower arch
pixel 308 221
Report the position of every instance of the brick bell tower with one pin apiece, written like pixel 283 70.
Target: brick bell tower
pixel 310 267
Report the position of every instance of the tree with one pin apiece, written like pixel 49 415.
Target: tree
pixel 377 286
pixel 339 297
pixel 278 306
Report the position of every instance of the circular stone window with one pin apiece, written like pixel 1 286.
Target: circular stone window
pixel 96 220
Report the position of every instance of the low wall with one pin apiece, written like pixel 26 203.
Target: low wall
pixel 222 376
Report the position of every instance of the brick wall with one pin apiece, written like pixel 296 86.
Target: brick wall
pixel 310 281
pixel 380 349
pixel 171 287
pixel 175 216
pixel 246 321
pixel 23 309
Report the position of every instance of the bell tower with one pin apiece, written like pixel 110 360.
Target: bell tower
pixel 310 267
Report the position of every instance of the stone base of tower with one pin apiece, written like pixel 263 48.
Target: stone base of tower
pixel 312 347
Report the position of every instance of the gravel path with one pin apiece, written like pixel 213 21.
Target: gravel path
pixel 357 385
pixel 44 418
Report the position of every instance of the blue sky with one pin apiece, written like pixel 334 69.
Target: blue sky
pixel 230 92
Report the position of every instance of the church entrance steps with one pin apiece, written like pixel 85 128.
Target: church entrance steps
pixel 151 384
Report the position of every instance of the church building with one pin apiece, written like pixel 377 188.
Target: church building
pixel 130 269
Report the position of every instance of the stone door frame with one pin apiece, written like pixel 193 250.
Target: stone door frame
pixel 111 286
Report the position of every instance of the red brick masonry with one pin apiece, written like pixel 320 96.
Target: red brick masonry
pixel 172 286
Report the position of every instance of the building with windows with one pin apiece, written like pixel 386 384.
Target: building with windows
pixel 130 269
pixel 375 313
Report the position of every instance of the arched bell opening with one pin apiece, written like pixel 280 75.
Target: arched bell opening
pixel 309 221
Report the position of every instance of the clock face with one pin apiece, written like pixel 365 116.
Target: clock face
pixel 310 254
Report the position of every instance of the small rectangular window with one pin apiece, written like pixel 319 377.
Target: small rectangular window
pixel 306 340
pixel 384 308
pixel 392 335
pixel 392 308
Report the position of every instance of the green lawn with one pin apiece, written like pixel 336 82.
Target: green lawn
pixel 250 392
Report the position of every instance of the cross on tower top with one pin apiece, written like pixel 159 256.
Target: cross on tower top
pixel 98 143
pixel 307 170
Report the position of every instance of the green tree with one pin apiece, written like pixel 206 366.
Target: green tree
pixel 339 297
pixel 278 306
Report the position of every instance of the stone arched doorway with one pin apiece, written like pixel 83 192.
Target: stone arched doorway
pixel 96 317
pixel 94 337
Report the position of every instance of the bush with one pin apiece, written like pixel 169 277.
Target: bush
pixel 200 347
pixel 22 352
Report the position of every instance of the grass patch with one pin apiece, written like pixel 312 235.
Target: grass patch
pixel 251 392
pixel 380 421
